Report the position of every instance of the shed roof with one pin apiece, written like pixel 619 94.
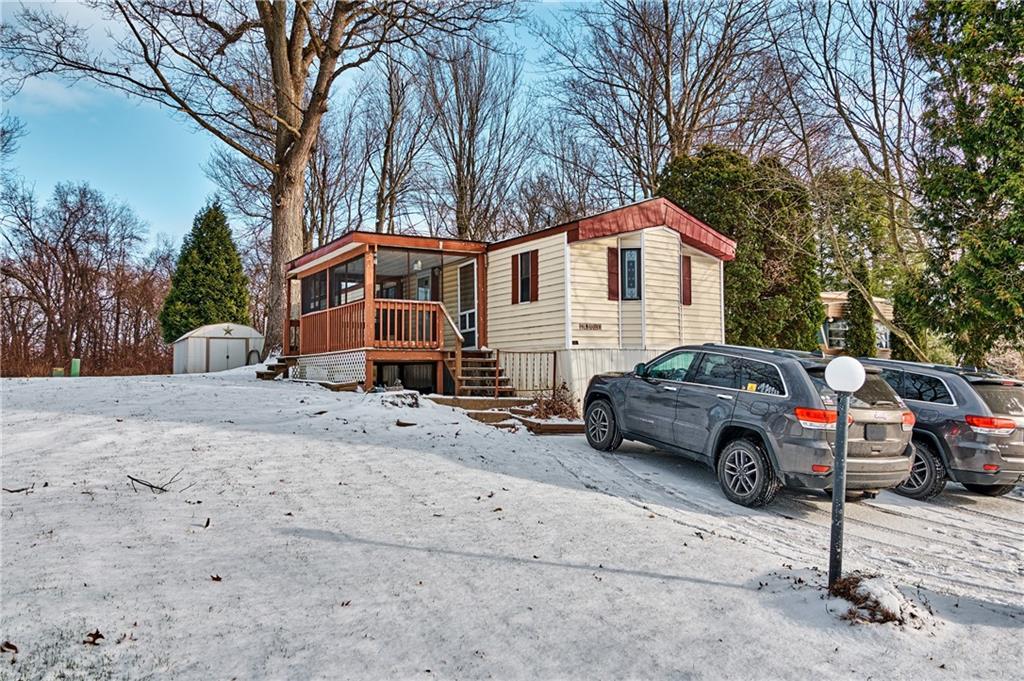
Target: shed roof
pixel 655 212
pixel 226 329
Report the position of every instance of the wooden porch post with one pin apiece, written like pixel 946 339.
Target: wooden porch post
pixel 369 304
pixel 369 312
pixel 439 379
pixel 286 344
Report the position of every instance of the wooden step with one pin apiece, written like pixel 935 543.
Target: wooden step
pixel 489 416
pixel 484 391
pixel 267 375
pixel 538 427
pixel 484 380
pixel 480 403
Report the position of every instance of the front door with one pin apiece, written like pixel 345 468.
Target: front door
pixel 467 303
pixel 651 398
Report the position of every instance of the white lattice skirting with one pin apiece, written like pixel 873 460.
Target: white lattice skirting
pixel 333 367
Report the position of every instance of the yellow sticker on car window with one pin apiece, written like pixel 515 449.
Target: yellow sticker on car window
pixel 752 387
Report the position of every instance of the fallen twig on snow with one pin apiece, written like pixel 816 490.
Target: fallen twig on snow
pixel 20 489
pixel 155 488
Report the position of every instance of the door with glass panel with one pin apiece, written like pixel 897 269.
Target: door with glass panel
pixel 467 303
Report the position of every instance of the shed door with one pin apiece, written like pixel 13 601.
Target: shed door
pixel 226 353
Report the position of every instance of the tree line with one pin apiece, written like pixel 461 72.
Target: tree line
pixel 870 146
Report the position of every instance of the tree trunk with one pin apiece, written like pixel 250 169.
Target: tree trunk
pixel 285 245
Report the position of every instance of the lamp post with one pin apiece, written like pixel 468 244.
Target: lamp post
pixel 845 376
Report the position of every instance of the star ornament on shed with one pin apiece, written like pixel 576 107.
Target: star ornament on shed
pixel 228 330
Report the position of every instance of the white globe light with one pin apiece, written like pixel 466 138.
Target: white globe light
pixel 844 374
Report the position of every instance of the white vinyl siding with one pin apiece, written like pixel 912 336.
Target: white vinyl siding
pixel 702 319
pixel 533 325
pixel 661 251
pixel 588 284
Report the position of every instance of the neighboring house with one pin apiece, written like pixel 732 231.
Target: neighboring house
pixel 596 294
pixel 832 337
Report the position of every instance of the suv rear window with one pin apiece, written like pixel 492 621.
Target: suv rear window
pixel 1002 399
pixel 874 393
pixel 925 389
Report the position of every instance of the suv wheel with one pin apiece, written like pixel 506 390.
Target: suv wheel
pixel 745 474
pixel 989 490
pixel 601 428
pixel 927 474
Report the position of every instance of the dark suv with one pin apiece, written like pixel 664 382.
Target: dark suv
pixel 760 418
pixel 970 427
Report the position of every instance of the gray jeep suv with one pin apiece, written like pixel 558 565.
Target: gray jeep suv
pixel 970 427
pixel 761 419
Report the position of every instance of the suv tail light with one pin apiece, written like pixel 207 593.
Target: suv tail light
pixel 816 419
pixel 908 421
pixel 990 425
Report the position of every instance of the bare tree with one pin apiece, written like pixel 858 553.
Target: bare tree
pixel 397 126
pixel 76 285
pixel 854 59
pixel 810 114
pixel 651 81
pixel 481 138
pixel 197 58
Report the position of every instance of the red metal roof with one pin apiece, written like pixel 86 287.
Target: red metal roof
pixel 656 212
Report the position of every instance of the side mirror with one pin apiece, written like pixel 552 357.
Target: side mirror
pixel 640 370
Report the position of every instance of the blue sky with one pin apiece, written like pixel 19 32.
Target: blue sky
pixel 139 153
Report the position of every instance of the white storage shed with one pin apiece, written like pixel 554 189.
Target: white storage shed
pixel 215 347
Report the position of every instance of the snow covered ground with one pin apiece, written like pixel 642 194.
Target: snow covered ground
pixel 307 535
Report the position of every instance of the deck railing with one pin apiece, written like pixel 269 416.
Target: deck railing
pixel 397 324
pixel 408 324
pixel 337 328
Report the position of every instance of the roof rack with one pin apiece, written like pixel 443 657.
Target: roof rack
pixel 796 354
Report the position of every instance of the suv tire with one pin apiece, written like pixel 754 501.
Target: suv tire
pixel 602 431
pixel 745 474
pixel 989 490
pixel 927 474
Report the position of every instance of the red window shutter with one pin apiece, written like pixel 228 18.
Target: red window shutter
pixel 613 274
pixel 685 281
pixel 515 279
pixel 534 274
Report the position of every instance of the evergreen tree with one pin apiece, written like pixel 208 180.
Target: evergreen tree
pixel 860 320
pixel 772 288
pixel 972 175
pixel 908 301
pixel 208 285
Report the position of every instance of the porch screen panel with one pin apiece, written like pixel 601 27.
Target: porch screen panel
pixel 314 292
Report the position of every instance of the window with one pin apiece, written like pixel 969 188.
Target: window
pixel 882 336
pixel 671 368
pixel 925 389
pixel 347 282
pixel 314 292
pixel 894 377
pixel 875 392
pixel 759 377
pixel 720 371
pixel 1002 399
pixel 525 277
pixel 835 333
pixel 630 270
